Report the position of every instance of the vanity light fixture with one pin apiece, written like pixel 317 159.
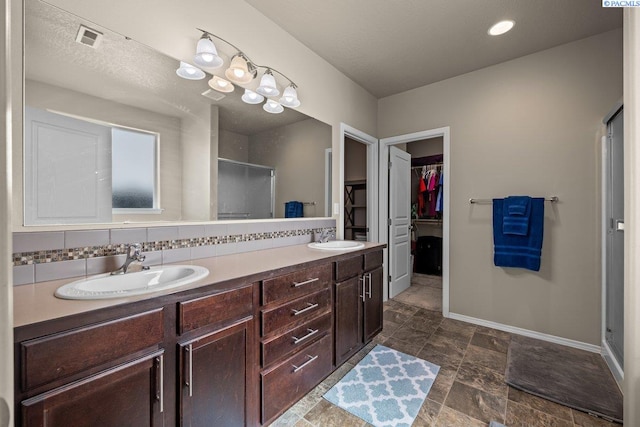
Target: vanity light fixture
pixel 501 27
pixel 290 97
pixel 250 97
pixel 189 72
pixel 221 85
pixel 241 71
pixel 272 107
pixel 206 53
pixel 268 85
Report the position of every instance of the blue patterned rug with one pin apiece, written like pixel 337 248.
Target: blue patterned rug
pixel 386 388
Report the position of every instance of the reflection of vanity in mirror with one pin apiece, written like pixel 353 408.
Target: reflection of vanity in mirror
pixel 112 134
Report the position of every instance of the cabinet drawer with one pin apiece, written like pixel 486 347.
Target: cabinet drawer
pixel 372 260
pixel 295 312
pixel 347 268
pixel 67 353
pixel 296 284
pixel 226 306
pixel 292 379
pixel 295 339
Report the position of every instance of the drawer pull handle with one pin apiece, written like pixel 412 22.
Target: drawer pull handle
pixel 362 280
pixel 297 368
pixel 306 282
pixel 309 307
pixel 368 277
pixel 159 366
pixel 311 333
pixel 189 350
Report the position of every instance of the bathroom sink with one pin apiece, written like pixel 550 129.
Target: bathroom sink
pixel 155 279
pixel 337 245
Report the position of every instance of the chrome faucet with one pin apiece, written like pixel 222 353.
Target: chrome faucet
pixel 325 235
pixel 134 255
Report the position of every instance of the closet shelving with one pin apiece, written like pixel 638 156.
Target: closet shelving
pixel 355 208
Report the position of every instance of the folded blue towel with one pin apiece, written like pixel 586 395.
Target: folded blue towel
pixel 517 211
pixel 293 209
pixel 515 250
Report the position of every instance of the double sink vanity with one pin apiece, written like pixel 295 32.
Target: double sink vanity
pixel 235 347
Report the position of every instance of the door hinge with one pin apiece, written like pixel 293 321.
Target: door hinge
pixel 389 278
pixel 389 222
pixel 390 164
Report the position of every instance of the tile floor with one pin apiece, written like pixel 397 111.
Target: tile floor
pixel 469 390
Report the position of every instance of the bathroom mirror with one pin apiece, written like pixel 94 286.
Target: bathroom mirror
pixel 86 87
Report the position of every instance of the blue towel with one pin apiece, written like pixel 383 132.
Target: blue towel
pixel 517 210
pixel 293 209
pixel 513 250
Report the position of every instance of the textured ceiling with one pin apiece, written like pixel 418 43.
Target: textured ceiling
pixel 125 71
pixel 389 47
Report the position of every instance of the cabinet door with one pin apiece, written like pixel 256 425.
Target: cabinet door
pixel 127 395
pixel 213 378
pixel 373 304
pixel 348 333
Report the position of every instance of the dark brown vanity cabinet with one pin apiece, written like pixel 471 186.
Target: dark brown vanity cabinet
pixel 215 359
pixel 358 303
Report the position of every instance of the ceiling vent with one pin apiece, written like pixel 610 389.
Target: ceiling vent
pixel 89 37
pixel 214 94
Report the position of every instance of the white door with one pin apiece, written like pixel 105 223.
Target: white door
pixel 67 169
pixel 400 220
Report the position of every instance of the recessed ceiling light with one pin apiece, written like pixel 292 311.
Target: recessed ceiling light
pixel 501 27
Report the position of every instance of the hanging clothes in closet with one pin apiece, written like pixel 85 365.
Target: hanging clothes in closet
pixel 430 192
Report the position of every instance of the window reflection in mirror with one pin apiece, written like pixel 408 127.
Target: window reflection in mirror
pixel 131 86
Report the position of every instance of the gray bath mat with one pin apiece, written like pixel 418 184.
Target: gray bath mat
pixel 575 378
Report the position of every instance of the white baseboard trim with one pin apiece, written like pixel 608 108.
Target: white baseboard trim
pixel 528 333
pixel 612 363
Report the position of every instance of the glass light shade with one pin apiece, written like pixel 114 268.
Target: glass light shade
pixel 221 85
pixel 189 72
pixel 206 54
pixel 290 97
pixel 501 27
pixel 238 71
pixel 268 85
pixel 272 107
pixel 250 97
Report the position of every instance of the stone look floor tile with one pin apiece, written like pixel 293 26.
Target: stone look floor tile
pixel 287 419
pixel 325 414
pixel 441 386
pixel 406 347
pixel 463 328
pixel 581 419
pixel 540 404
pixel 476 403
pixel 490 342
pixel 487 358
pixel 447 345
pixel 520 415
pixel 482 378
pixel 428 413
pixel 396 316
pixel 413 336
pixel 494 332
pixel 451 418
pixel 303 423
pixel 443 360
pixel 461 336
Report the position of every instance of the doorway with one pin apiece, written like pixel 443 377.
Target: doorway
pixel 385 193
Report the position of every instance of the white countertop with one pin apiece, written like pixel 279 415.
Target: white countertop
pixel 37 303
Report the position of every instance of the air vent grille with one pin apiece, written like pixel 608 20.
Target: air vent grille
pixel 89 37
pixel 213 94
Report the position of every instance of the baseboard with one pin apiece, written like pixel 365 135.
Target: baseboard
pixel 612 363
pixel 528 333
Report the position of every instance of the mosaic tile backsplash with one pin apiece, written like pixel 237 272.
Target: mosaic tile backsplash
pixel 101 250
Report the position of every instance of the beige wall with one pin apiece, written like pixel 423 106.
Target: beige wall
pixel 233 146
pixel 297 154
pixel 631 386
pixel 355 160
pixel 195 166
pixel 425 147
pixel 527 126
pixel 43 96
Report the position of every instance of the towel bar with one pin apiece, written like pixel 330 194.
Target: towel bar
pixel 552 199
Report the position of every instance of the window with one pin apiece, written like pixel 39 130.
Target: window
pixel 134 171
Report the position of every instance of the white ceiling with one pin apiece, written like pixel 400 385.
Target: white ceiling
pixel 390 46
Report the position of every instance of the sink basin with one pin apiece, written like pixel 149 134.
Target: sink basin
pixel 155 279
pixel 337 245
